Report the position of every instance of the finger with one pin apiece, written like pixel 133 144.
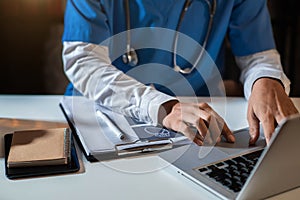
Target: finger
pixel 268 124
pixel 202 128
pixel 186 130
pixel 253 126
pixel 219 139
pixel 199 119
pixel 210 117
pixel 213 132
pixel 226 132
pixel 208 139
pixel 207 111
pixel 198 139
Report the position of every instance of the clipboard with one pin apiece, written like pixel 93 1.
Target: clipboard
pixel 99 144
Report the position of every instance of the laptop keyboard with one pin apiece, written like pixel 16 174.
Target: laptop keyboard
pixel 234 172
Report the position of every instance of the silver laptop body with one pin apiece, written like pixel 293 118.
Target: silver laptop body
pixel 276 170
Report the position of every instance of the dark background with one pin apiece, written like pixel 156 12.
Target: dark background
pixel 30 39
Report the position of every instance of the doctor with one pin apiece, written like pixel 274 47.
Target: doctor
pixel 93 73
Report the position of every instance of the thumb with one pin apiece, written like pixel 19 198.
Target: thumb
pixel 253 122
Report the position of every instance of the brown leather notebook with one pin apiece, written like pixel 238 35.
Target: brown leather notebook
pixel 39 148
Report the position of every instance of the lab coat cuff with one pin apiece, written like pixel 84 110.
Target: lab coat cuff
pixel 152 102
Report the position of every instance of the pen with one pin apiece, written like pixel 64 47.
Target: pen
pixel 111 125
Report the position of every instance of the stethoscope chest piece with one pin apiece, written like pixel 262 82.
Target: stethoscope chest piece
pixel 130 58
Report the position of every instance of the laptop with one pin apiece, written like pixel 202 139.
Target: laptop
pixel 237 171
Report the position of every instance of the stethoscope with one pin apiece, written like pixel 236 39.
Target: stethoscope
pixel 131 58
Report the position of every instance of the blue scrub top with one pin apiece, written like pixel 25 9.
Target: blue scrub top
pixel 246 22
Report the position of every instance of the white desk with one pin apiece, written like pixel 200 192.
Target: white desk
pixel 100 180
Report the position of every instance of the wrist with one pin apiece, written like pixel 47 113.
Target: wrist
pixel 165 109
pixel 265 81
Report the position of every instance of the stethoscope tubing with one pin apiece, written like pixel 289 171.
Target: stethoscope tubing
pixel 130 57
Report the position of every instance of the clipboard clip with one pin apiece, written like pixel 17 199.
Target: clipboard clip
pixel 143 146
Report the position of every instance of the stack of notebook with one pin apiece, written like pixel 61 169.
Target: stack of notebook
pixel 40 152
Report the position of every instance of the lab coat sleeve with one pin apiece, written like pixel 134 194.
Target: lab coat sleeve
pixel 89 68
pixel 262 64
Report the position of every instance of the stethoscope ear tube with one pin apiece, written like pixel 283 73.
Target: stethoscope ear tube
pixel 212 10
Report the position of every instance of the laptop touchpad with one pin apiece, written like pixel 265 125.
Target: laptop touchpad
pixel 241 144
